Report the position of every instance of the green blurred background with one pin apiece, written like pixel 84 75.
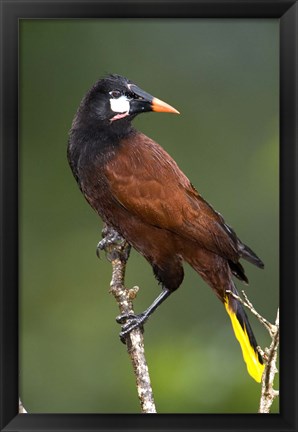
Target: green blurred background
pixel 222 75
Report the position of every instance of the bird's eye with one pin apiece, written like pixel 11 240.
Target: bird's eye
pixel 115 94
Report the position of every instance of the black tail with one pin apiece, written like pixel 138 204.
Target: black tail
pixel 249 255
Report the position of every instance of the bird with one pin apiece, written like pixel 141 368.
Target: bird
pixel 139 191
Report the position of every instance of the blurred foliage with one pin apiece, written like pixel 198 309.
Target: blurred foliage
pixel 222 75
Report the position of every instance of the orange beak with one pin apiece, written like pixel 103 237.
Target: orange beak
pixel 146 102
pixel 160 106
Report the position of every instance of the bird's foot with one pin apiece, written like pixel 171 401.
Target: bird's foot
pixel 112 240
pixel 130 322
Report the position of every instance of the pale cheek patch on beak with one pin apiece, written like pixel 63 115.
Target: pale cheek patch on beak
pixel 120 106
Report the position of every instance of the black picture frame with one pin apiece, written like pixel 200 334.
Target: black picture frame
pixel 11 12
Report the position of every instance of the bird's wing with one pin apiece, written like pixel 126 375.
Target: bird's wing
pixel 145 180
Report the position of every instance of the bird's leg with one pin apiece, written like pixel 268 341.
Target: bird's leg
pixel 131 321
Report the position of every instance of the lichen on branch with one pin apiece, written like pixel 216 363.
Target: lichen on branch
pixel 117 252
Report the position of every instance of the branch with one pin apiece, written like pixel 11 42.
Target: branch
pixel 117 251
pixel 21 408
pixel 268 394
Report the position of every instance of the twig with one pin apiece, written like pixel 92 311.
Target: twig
pixel 272 329
pixel 117 252
pixel 21 408
pixel 268 394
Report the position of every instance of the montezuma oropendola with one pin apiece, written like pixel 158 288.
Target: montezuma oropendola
pixel 138 189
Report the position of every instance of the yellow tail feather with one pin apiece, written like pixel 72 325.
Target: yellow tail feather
pixel 254 367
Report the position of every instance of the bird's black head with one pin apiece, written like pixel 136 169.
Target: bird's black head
pixel 117 100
